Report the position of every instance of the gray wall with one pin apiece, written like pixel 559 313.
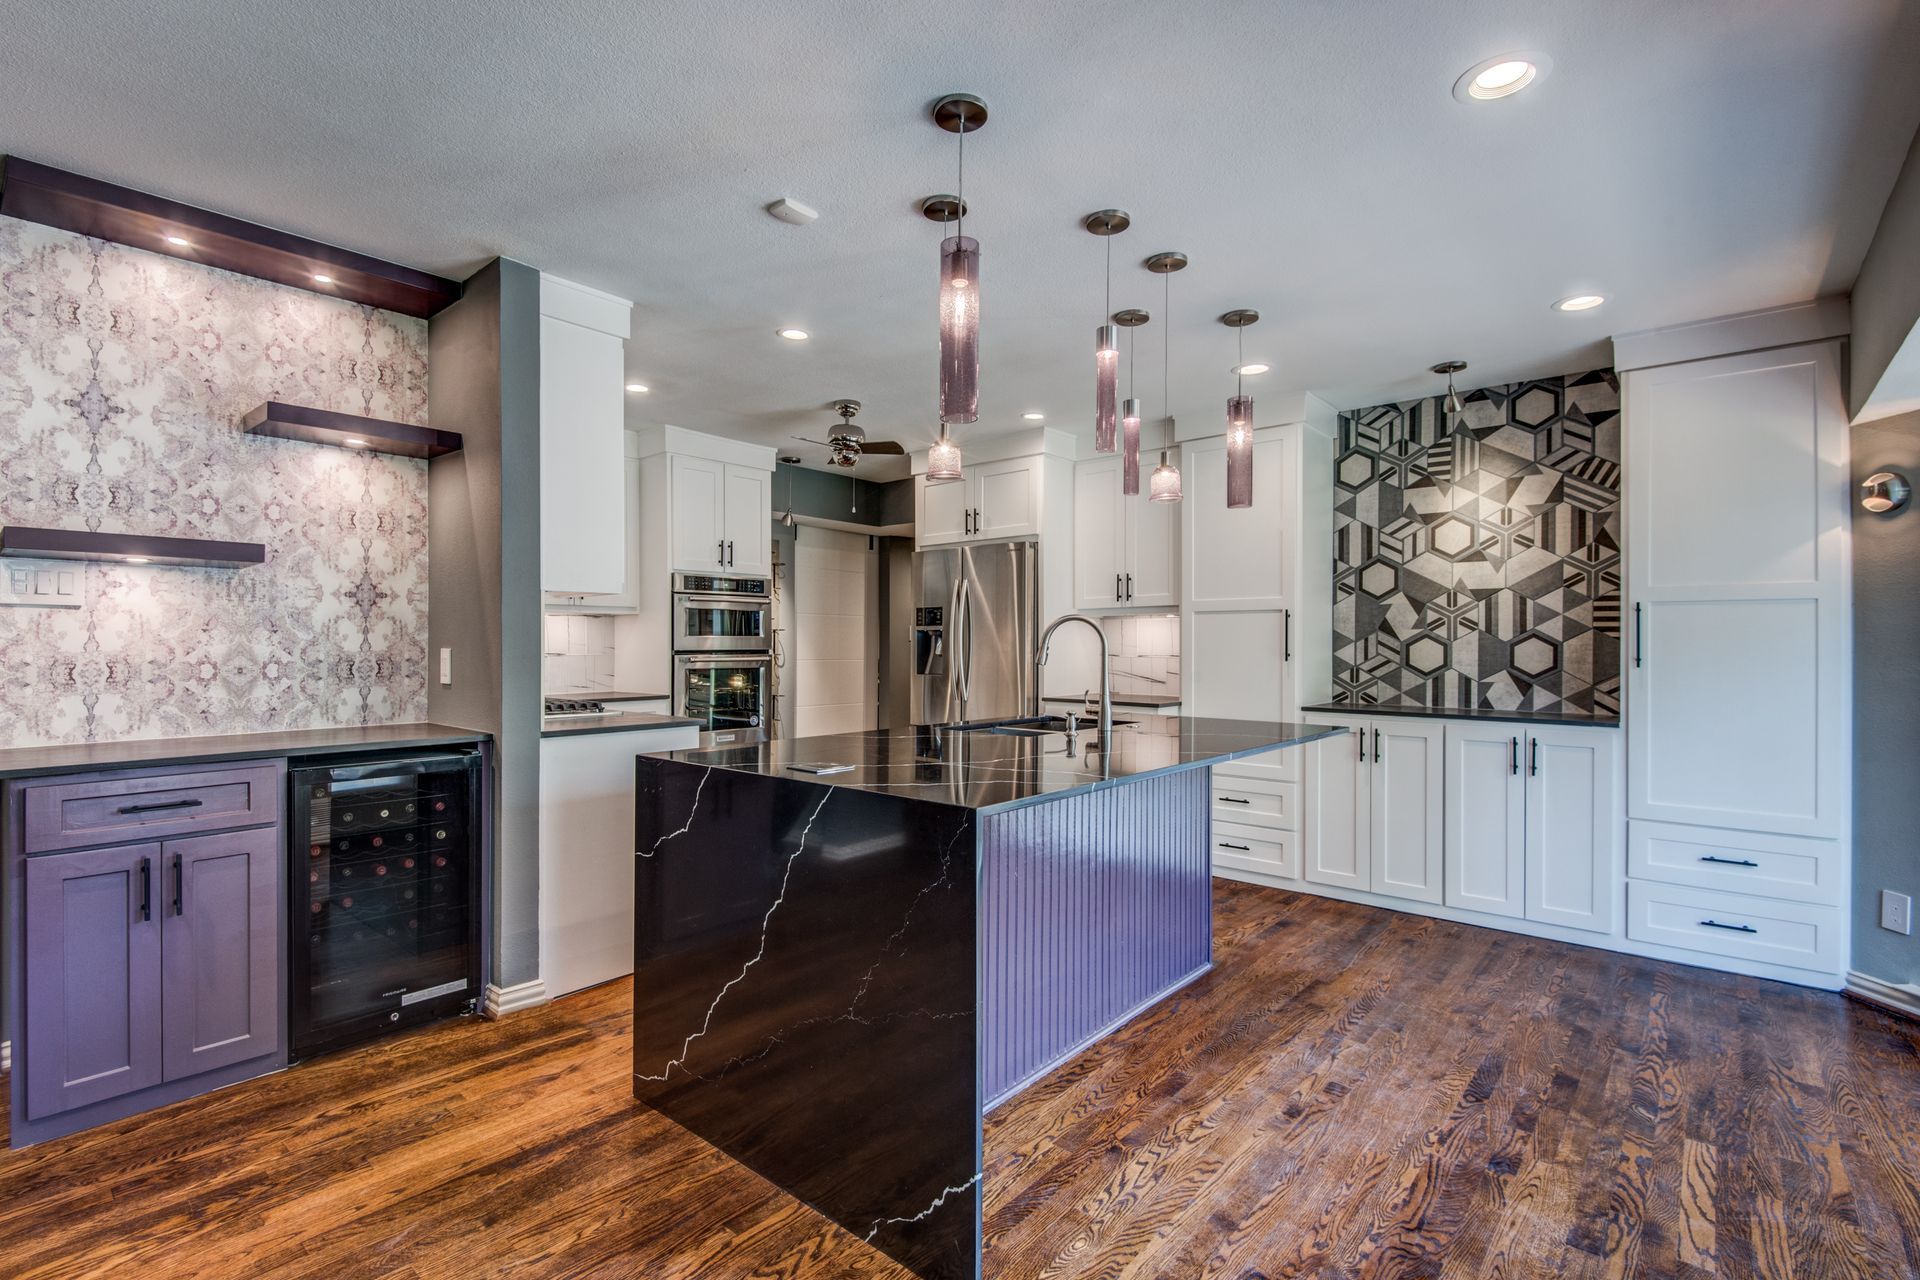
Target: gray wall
pixel 483 535
pixel 1886 703
pixel 1886 297
pixel 828 496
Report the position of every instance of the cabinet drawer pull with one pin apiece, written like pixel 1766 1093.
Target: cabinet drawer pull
pixel 1228 844
pixel 1732 928
pixel 1232 800
pixel 179 885
pixel 1516 756
pixel 146 888
pixel 1729 862
pixel 1639 634
pixel 1376 746
pixel 161 807
pixel 1533 757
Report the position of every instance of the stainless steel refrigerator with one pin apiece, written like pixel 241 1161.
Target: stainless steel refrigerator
pixel 975 621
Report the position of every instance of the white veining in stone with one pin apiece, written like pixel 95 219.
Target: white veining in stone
pixel 766 922
pixel 685 827
pixel 927 1212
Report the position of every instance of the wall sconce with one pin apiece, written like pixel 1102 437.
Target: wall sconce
pixel 1885 492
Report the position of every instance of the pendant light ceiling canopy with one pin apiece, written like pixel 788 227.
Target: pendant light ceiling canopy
pixel 1451 367
pixel 1130 320
pixel 1107 223
pixel 1164 484
pixel 961 114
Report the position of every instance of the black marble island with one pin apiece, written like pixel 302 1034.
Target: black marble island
pixel 838 973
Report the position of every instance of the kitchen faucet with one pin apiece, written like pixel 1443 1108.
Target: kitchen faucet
pixel 1106 672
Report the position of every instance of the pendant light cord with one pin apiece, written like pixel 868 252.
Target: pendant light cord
pixel 962 196
pixel 1166 362
pixel 1239 377
pixel 1108 317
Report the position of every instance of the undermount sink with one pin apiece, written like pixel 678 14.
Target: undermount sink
pixel 1028 726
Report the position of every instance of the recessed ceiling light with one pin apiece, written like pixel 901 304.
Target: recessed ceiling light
pixel 793 335
pixel 137 560
pixel 637 388
pixel 353 442
pixel 1501 76
pixel 323 279
pixel 1580 302
pixel 1249 370
pixel 1034 416
pixel 179 242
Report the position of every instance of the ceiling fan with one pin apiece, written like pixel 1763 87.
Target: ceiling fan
pixel 845 442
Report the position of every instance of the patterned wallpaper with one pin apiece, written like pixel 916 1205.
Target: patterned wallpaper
pixel 123 378
pixel 1477 562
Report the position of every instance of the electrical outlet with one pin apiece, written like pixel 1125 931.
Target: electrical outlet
pixel 1896 911
pixel 446 666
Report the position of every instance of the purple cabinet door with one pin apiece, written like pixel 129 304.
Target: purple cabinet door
pixel 221 953
pixel 93 1014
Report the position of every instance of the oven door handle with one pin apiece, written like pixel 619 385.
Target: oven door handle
pixel 727 601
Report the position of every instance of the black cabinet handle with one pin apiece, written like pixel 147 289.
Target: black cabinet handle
pixel 1516 755
pixel 1363 746
pixel 1228 844
pixel 1638 632
pixel 729 553
pixel 720 552
pixel 1129 586
pixel 1729 862
pixel 1732 928
pixel 161 806
pixel 1533 757
pixel 1119 593
pixel 1286 636
pixel 179 885
pixel 146 888
pixel 1376 746
pixel 1233 800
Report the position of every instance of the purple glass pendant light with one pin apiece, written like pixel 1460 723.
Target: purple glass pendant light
pixel 961 114
pixel 1240 420
pixel 1164 484
pixel 1107 224
pixel 943 457
pixel 1130 320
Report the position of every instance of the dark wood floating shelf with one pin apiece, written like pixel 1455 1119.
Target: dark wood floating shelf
pixel 128 548
pixel 73 202
pixel 349 431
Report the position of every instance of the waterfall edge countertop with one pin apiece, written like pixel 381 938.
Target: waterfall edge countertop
pixel 988 771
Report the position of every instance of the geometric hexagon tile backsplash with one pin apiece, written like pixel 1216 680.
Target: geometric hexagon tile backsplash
pixel 1477 555
pixel 123 379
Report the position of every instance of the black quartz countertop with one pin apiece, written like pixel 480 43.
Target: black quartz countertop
pixel 613 695
pixel 984 770
pixel 1134 700
pixel 612 722
pixel 82 757
pixel 1600 719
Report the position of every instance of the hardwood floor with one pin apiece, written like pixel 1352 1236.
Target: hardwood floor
pixel 1351 1093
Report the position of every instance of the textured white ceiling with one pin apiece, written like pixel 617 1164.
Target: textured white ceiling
pixel 1687 159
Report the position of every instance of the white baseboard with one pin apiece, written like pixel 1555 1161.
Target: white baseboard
pixel 6 1055
pixel 1899 997
pixel 501 1001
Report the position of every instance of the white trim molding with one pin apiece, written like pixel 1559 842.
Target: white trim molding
pixel 1789 326
pixel 1899 997
pixel 501 1001
pixel 6 1055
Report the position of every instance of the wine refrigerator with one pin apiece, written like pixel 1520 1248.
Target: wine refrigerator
pixel 385 895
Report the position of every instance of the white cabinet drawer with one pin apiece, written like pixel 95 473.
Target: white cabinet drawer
pixel 1265 850
pixel 1276 766
pixel 1256 802
pixel 1792 867
pixel 1735 925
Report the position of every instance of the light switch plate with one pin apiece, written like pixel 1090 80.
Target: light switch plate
pixel 1896 911
pixel 30 585
pixel 446 666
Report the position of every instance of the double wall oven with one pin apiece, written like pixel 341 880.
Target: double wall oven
pixel 723 654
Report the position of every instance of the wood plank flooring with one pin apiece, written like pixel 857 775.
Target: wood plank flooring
pixel 1352 1092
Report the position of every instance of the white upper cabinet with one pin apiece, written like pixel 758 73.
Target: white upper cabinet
pixel 991 501
pixel 699 514
pixel 1236 557
pixel 1737 632
pixel 1124 548
pixel 749 519
pixel 583 519
pixel 722 513
pixel 628 598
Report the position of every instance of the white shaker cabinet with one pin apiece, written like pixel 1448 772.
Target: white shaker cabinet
pixel 1573 826
pixel 1125 548
pixel 992 501
pixel 721 516
pixel 1338 806
pixel 1238 558
pixel 747 519
pixel 1406 835
pixel 583 522
pixel 1486 808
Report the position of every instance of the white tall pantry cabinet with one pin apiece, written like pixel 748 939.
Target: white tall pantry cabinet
pixel 583 498
pixel 1738 656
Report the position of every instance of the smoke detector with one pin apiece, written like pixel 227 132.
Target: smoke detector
pixel 792 211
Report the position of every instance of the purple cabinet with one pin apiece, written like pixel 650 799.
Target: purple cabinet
pixel 93 1011
pixel 220 952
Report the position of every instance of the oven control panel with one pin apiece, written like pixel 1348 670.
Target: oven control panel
pixel 720 585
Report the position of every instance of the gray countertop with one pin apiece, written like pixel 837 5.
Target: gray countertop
pixel 612 722
pixel 613 695
pixel 988 771
pixel 1599 719
pixel 82 757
